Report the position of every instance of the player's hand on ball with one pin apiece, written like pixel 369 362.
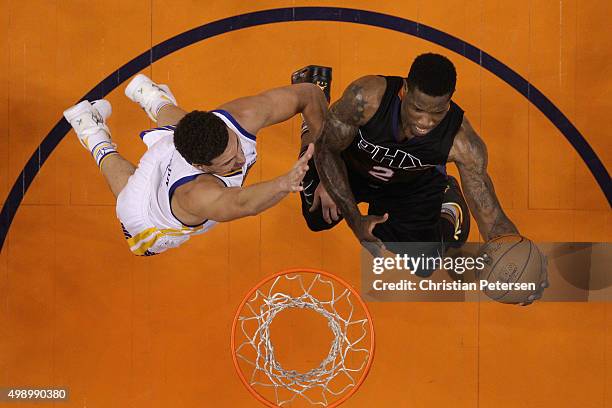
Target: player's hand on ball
pixel 543 284
pixel 330 210
pixel 537 295
pixel 363 231
pixel 292 181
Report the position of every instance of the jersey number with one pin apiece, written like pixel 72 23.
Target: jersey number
pixel 381 173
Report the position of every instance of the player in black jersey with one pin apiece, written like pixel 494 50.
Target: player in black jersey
pixel 386 142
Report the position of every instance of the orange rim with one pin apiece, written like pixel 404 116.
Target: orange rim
pixel 317 272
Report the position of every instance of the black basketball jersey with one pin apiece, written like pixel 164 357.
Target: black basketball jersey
pixel 377 155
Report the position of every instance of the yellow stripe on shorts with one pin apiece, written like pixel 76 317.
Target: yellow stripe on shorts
pixel 145 246
pixel 141 236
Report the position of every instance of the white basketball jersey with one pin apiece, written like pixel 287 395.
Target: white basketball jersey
pixel 166 170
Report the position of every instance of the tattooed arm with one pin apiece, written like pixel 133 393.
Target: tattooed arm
pixel 470 154
pixel 355 108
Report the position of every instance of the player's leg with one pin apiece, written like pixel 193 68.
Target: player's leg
pixel 321 76
pixel 170 115
pixel 155 99
pixel 428 224
pixel 314 219
pixel 412 226
pixel 401 237
pixel 454 216
pixel 89 123
pixel 117 170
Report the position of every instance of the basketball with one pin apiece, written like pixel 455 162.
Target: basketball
pixel 515 260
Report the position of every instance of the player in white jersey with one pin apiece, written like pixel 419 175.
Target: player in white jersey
pixel 191 176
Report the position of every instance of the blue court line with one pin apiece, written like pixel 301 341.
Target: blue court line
pixel 281 15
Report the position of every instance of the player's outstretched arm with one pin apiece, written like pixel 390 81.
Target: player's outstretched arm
pixel 208 199
pixel 279 104
pixel 356 106
pixel 470 154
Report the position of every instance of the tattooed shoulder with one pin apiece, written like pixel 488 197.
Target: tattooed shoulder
pixel 360 100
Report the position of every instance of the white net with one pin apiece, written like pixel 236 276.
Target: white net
pixel 337 373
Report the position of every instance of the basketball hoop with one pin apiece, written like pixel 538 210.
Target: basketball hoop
pixel 345 367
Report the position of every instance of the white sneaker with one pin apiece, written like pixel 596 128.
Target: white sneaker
pixel 150 96
pixel 88 121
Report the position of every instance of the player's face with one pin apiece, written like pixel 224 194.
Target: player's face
pixel 231 159
pixel 423 112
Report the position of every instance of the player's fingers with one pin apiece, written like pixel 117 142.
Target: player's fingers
pixel 307 155
pixel 315 203
pixel 300 172
pixel 377 219
pixel 302 161
pixel 334 213
pixel 326 215
pixel 299 165
pixel 380 219
pixel 532 298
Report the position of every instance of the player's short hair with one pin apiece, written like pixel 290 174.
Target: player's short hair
pixel 432 74
pixel 200 137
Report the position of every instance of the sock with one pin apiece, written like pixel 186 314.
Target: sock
pixel 103 150
pixel 159 103
pixel 454 218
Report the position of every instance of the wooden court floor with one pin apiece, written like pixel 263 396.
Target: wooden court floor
pixel 78 310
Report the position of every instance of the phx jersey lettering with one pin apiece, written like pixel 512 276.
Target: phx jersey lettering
pixel 407 173
pixel 143 207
